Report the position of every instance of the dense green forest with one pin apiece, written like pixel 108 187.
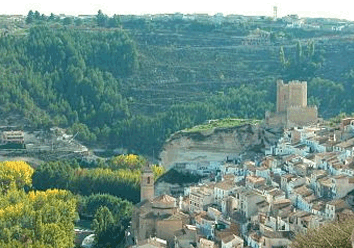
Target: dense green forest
pixel 116 84
pixel 118 177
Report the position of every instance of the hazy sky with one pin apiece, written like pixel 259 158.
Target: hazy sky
pixel 343 9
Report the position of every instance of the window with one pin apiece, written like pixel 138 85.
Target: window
pixel 148 180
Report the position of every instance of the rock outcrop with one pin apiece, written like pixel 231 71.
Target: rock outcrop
pixel 217 144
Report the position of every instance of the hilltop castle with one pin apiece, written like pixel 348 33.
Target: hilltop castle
pixel 292 109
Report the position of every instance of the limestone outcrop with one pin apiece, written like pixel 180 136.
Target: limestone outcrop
pixel 217 144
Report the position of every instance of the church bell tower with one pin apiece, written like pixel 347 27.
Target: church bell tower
pixel 147 184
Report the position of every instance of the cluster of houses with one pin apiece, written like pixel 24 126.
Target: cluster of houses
pixel 303 182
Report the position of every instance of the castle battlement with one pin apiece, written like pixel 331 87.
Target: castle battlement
pixel 300 107
pixel 297 82
pixel 293 82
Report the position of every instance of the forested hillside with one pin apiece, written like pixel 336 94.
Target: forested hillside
pixel 129 82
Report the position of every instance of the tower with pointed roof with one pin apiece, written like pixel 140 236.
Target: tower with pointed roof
pixel 147 184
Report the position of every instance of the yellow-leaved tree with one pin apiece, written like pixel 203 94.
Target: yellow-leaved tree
pixel 18 172
pixel 130 161
pixel 158 171
pixel 34 219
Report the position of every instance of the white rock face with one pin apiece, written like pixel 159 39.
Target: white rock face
pixel 217 144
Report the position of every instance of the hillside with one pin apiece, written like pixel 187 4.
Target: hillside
pixel 130 82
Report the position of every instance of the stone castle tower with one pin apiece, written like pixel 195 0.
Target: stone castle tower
pixel 292 109
pixel 147 184
pixel 293 94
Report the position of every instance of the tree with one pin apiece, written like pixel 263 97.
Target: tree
pixel 103 225
pixel 53 175
pixel 284 62
pixel 35 219
pixel 51 17
pixel 335 234
pixel 78 22
pixel 37 15
pixel 298 57
pixel 114 21
pixel 18 172
pixel 101 19
pixel 30 17
pixel 67 21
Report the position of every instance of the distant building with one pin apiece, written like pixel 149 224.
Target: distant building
pixel 257 37
pixel 13 137
pixel 275 13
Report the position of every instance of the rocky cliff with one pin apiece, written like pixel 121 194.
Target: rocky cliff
pixel 217 144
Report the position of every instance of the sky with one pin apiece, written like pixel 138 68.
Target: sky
pixel 342 9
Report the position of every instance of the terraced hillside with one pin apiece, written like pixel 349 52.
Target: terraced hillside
pixel 179 67
pixel 190 67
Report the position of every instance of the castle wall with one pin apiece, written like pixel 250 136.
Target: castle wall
pixel 297 94
pixel 299 116
pixel 292 94
pixel 275 119
pixel 282 96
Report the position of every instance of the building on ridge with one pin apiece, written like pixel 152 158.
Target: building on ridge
pixel 291 106
pixel 13 137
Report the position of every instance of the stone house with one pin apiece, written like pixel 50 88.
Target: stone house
pixel 205 224
pixel 254 240
pixel 319 207
pixel 274 195
pixel 301 221
pixel 334 207
pixel 223 189
pixel 200 197
pixel 232 241
pixel 214 213
pixel 228 205
pixel 302 198
pixel 263 172
pixel 255 181
pixel 316 175
pixel 318 144
pixel 152 243
pixel 272 239
pixel 205 243
pixel 185 237
pixel 279 215
pixel 247 201
pixel 345 146
pixel 289 182
pixel 299 169
pixel 270 162
pixel 341 186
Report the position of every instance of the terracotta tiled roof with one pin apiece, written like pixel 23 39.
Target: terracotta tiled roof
pixel 225 185
pixel 164 199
